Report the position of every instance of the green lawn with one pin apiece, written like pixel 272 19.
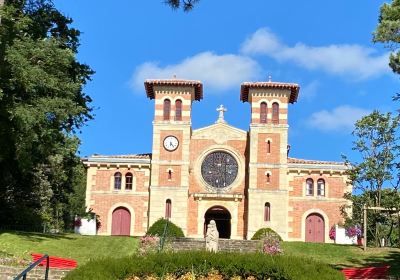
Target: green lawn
pixel 83 248
pixel 80 248
pixel 342 256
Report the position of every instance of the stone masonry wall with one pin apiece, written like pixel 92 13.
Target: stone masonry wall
pixel 9 272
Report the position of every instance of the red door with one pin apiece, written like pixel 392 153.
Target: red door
pixel 121 222
pixel 315 228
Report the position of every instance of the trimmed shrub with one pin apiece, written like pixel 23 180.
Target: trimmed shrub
pixel 201 263
pixel 157 229
pixel 264 232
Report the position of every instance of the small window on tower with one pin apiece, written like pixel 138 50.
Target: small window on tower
pixel 267 212
pixel 268 146
pixel 263 112
pixel 168 208
pixel 170 174
pixel 268 178
pixel 167 109
pixel 178 110
pixel 275 113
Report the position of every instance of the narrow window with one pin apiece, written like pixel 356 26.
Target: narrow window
pixel 128 181
pixel 321 187
pixel 268 178
pixel 167 109
pixel 309 187
pixel 117 181
pixel 275 113
pixel 263 112
pixel 267 212
pixel 178 110
pixel 170 174
pixel 168 209
pixel 268 147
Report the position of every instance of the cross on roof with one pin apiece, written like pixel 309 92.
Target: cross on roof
pixel 221 109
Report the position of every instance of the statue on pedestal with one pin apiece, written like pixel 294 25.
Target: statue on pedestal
pixel 212 237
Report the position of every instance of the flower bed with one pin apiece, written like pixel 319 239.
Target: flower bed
pixel 200 265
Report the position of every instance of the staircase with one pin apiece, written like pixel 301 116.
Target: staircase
pixel 226 245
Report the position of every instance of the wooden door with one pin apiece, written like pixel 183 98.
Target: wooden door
pixel 315 228
pixel 121 222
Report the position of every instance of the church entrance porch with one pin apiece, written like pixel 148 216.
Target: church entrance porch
pixel 222 217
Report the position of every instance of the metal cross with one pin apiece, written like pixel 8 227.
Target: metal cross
pixel 221 109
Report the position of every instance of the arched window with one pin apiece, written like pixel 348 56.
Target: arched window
pixel 275 113
pixel 268 146
pixel 267 212
pixel 178 110
pixel 321 187
pixel 128 181
pixel 168 206
pixel 309 187
pixel 170 174
pixel 117 180
pixel 268 178
pixel 263 112
pixel 167 109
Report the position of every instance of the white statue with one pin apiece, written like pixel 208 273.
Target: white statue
pixel 221 110
pixel 212 237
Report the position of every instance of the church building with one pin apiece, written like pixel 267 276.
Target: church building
pixel 244 180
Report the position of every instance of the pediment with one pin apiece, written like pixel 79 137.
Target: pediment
pixel 220 133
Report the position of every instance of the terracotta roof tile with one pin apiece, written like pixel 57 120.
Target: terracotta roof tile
pixel 245 87
pixel 198 86
pixel 133 156
pixel 308 161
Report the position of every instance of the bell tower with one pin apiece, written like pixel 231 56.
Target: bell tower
pixel 169 183
pixel 268 136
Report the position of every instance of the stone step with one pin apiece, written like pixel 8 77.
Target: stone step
pixel 226 245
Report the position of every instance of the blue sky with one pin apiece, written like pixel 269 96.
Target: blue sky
pixel 324 46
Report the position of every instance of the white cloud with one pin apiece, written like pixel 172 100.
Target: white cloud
pixel 219 72
pixel 341 118
pixel 356 61
pixel 310 90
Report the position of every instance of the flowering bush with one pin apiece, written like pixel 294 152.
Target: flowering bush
pixel 272 244
pixel 148 244
pixel 353 231
pixel 77 222
pixel 332 233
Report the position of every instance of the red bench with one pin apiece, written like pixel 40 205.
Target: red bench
pixel 55 262
pixel 366 272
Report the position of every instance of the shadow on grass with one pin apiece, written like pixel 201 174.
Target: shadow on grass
pixel 391 258
pixel 38 237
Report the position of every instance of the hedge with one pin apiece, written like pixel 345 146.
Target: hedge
pixel 157 229
pixel 262 232
pixel 260 266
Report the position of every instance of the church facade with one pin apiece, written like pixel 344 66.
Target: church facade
pixel 244 180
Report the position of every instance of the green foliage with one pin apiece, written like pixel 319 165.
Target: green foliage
pixel 263 232
pixel 201 263
pixel 377 174
pixel 157 229
pixel 186 5
pixel 42 106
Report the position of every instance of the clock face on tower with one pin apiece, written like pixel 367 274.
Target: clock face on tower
pixel 219 169
pixel 171 143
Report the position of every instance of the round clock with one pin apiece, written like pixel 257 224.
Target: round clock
pixel 171 143
pixel 219 169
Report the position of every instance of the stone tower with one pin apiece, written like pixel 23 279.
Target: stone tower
pixel 268 136
pixel 169 181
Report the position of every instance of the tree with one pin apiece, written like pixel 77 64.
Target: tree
pixel 186 5
pixel 376 176
pixel 42 106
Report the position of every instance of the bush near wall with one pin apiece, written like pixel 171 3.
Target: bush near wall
pixel 262 232
pixel 157 229
pixel 200 263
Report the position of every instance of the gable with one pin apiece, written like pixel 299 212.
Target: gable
pixel 220 133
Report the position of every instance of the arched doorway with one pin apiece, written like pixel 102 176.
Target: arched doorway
pixel 222 217
pixel 315 228
pixel 121 222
